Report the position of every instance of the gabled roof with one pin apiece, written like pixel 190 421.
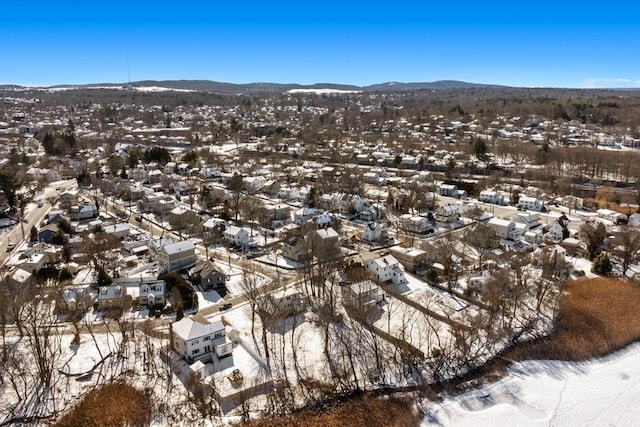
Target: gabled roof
pixel 385 261
pixel 195 326
pixel 327 233
pixel 178 247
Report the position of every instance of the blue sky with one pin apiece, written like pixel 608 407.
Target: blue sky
pixel 543 43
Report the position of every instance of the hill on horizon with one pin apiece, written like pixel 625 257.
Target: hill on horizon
pixel 224 87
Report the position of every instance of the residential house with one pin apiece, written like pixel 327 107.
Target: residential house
pixel 285 302
pixel 279 212
pixel 120 230
pixel 447 213
pixel 111 297
pixel 84 211
pixel 414 224
pixel 383 268
pixel 21 278
pixel 613 216
pixel 326 240
pixel 351 204
pixel 572 202
pixel 237 236
pixel 530 203
pixel 33 262
pixel 491 196
pixel 534 236
pixel 46 233
pixel 448 190
pixel 323 220
pixel 574 246
pixel 531 220
pixel 206 274
pixel 303 215
pixel 560 228
pixel 214 226
pixel 76 298
pixel 375 232
pixel 361 295
pixel 195 338
pixel 294 247
pixel 177 256
pixel 506 229
pixel 412 259
pixel 152 293
pixel 369 213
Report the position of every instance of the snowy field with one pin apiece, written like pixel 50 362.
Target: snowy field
pixel 603 392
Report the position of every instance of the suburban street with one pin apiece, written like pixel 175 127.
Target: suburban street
pixel 32 217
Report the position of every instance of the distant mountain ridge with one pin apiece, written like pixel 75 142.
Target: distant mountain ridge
pixel 235 88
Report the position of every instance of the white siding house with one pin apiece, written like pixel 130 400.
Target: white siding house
pixel 375 232
pixel 176 256
pixel 237 236
pixel 490 196
pixel 386 269
pixel 530 203
pixel 447 213
pixel 195 338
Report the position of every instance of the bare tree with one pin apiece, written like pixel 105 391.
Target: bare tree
pixel 628 244
pixel 594 236
pixel 236 187
pixel 481 238
pixel 250 285
pixel 446 254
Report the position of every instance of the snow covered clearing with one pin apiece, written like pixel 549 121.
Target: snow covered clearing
pixel 541 393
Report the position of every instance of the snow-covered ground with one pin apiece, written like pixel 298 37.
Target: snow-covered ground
pixel 551 393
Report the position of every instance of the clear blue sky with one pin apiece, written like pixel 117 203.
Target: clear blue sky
pixel 543 43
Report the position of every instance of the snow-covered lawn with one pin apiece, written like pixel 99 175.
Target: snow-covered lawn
pixel 207 299
pixel 542 393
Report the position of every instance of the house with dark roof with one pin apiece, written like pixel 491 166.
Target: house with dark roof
pixel 294 247
pixel 206 274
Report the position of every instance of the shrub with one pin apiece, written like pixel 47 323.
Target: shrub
pixel 111 405
pixel 602 265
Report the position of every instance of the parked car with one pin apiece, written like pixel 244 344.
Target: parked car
pixel 225 306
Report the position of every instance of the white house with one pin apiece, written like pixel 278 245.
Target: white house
pixel 302 215
pixel 152 293
pixel 120 230
pixel 323 219
pixel 84 211
pixel 285 302
pixel 447 213
pixel 415 224
pixel 530 203
pixel 572 202
pixel 533 236
pixel 176 256
pixel 448 190
pixel 361 294
pixel 530 220
pixel 237 236
pixel 610 215
pixel 384 268
pixel 195 338
pixel 375 232
pixel 491 196
pixel 559 229
pixel 111 296
pixel 503 228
